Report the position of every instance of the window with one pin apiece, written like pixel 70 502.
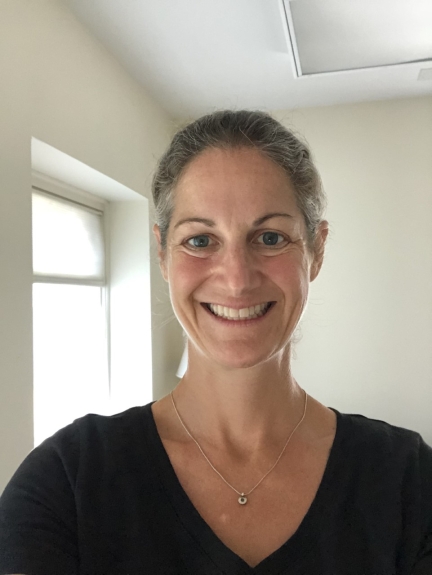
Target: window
pixel 70 307
pixel 109 283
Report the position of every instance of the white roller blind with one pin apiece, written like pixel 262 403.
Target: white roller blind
pixel 68 239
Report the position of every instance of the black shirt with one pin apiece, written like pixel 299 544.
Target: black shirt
pixel 100 497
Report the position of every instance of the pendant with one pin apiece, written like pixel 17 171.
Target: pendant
pixel 242 499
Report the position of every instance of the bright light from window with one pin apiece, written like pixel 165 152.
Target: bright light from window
pixel 70 360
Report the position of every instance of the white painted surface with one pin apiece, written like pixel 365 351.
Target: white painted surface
pixel 130 314
pixel 198 55
pixel 56 164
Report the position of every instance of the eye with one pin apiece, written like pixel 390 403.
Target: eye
pixel 201 241
pixel 271 239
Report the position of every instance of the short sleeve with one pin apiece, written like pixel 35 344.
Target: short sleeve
pixel 38 525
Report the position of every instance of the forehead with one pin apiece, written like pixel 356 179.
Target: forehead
pixel 229 179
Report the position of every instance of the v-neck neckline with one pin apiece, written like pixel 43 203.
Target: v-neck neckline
pixel 289 554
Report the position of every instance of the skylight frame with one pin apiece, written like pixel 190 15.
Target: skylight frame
pixel 293 45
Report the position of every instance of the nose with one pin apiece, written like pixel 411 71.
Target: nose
pixel 239 270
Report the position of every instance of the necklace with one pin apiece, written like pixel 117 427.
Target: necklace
pixel 243 496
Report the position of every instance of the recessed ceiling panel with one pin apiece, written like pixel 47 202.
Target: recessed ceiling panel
pixel 335 35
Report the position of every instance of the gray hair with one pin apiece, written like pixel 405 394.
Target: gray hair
pixel 234 129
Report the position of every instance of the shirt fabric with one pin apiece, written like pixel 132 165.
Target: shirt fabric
pixel 100 497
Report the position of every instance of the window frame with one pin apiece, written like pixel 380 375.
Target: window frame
pixel 131 264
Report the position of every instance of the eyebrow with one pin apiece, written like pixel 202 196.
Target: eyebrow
pixel 260 221
pixel 211 223
pixel 206 222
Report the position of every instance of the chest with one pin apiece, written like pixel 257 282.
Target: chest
pixel 274 510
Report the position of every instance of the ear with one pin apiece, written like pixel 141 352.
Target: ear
pixel 319 249
pixel 161 252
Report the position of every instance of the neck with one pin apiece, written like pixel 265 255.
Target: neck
pixel 240 410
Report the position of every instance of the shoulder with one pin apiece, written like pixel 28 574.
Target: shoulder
pixel 74 479
pixel 386 447
pixel 398 463
pixel 365 430
pixel 128 424
pixel 106 441
pixel 88 442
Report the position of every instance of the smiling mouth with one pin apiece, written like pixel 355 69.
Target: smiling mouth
pixel 229 313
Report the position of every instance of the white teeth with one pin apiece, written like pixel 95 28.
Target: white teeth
pixel 236 314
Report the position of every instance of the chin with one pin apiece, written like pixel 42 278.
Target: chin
pixel 240 360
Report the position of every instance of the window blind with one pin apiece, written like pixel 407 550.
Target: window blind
pixel 68 239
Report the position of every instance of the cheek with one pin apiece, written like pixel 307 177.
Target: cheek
pixel 290 274
pixel 186 273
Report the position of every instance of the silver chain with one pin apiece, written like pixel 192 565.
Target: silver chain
pixel 213 467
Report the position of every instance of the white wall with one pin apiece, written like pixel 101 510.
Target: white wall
pixel 130 305
pixel 367 335
pixel 61 86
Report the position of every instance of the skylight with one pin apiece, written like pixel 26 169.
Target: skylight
pixel 338 35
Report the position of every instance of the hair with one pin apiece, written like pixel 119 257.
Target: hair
pixel 230 129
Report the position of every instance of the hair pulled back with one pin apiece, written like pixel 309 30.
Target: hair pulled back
pixel 233 129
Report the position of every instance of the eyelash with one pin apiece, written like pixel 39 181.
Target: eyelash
pixel 284 239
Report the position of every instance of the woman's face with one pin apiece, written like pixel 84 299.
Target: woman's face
pixel 237 241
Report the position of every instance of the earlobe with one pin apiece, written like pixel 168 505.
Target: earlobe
pixel 315 268
pixel 161 252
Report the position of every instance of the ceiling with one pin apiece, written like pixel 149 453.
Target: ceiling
pixel 195 56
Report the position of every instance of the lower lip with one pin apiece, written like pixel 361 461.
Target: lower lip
pixel 238 322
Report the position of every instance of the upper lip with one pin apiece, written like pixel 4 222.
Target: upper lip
pixel 237 305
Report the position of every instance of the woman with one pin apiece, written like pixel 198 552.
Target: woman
pixel 238 470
